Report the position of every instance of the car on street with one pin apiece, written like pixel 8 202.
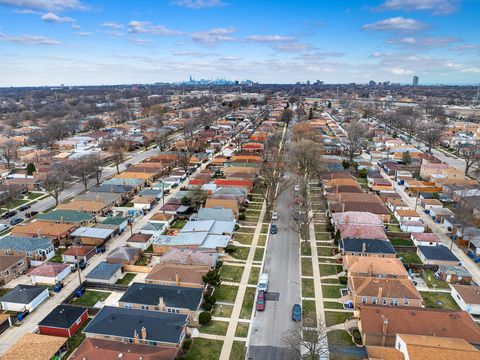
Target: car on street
pixel 4 227
pixel 274 216
pixel 296 312
pixel 127 165
pixel 15 221
pixel 24 207
pixel 9 214
pixel 31 214
pixel 260 305
pixel 296 188
pixel 273 229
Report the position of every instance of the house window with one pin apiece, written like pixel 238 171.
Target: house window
pixel 364 300
pixel 374 301
pixel 394 302
pixel 405 302
pixel 384 301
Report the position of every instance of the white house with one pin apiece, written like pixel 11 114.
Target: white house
pixel 49 273
pixel 467 297
pixel 24 297
pixel 425 239
pixel 412 226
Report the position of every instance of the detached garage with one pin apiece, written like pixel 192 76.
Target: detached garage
pixel 64 320
pixel 24 297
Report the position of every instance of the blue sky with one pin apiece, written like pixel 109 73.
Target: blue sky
pixel 81 42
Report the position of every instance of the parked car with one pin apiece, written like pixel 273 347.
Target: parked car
pixel 296 188
pixel 24 207
pixel 274 216
pixel 15 221
pixel 82 264
pixel 4 227
pixel 9 214
pixel 297 312
pixel 31 214
pixel 260 305
pixel 100 249
pixel 127 165
pixel 273 229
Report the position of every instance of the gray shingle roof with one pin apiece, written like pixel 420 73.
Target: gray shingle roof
pixel 25 243
pixel 371 246
pixel 122 322
pixel 437 253
pixel 103 271
pixel 23 294
pixel 173 296
pixel 63 316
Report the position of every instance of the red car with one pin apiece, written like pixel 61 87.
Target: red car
pixel 260 306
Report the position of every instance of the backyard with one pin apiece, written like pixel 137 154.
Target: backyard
pixel 90 298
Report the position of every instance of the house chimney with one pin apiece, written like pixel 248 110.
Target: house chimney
pixel 370 270
pixel 177 279
pixel 343 207
pixel 161 303
pixel 61 219
pixel 144 333
pixel 384 332
pixel 135 337
pixel 347 219
pixel 364 248
pixel 336 189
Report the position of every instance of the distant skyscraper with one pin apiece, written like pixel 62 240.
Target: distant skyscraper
pixel 415 80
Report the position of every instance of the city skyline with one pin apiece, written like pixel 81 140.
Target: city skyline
pixel 86 42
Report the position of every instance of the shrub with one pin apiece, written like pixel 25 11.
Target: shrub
pixel 242 209
pixel 204 318
pixel 363 173
pixel 207 306
pixel 241 217
pixel 237 227
pixel 211 300
pixel 219 264
pixel 342 280
pixel 329 227
pixel 230 249
pixel 186 344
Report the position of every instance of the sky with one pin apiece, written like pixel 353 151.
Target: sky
pixel 93 42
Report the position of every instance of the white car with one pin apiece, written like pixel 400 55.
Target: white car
pixel 4 227
pixel 296 188
pixel 274 216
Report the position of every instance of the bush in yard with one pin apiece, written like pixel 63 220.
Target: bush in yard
pixel 212 277
pixel 230 249
pixel 242 209
pixel 207 306
pixel 186 344
pixel 363 173
pixel 211 299
pixel 342 280
pixel 241 217
pixel 204 318
pixel 219 265
pixel 237 227
pixel 329 227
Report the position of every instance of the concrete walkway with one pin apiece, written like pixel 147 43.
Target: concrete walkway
pixel 234 318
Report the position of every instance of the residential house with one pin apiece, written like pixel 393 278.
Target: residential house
pixel 177 275
pixel 109 198
pixel 454 274
pixel 78 253
pixel 425 239
pixel 65 320
pixel 49 273
pixel 407 215
pixel 467 297
pixel 219 214
pixel 383 291
pixel 24 297
pixel 379 325
pixel 145 202
pixel 79 218
pixel 372 266
pixel 106 273
pixel 189 257
pixel 430 171
pixel 44 347
pixel 92 348
pixel 140 241
pixel 123 255
pixel 154 328
pixel 91 235
pixel 34 248
pixel 161 218
pixel 429 204
pixel 12 266
pixel 116 223
pixel 56 233
pixel 366 247
pixel 223 204
pixel 92 206
pixel 412 226
pixel 437 255
pixel 166 298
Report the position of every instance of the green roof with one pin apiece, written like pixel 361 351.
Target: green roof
pixel 66 216
pixel 114 220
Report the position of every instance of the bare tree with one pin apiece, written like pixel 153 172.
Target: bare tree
pixel 95 123
pixel 307 344
pixel 8 152
pixel 287 116
pixel 97 162
pixel 191 142
pixel 470 154
pixel 82 169
pixel 431 133
pixel 117 148
pixel 55 183
pixel 408 121
pixel 161 138
pixel 356 134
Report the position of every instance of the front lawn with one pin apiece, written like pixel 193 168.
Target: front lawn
pixel 245 239
pixel 238 351
pixel 127 279
pixel 143 260
pixel 331 291
pixel 247 306
pixel 332 305
pixel 327 260
pixel 242 330
pixel 265 228
pixel 325 251
pixel 309 314
pixel 241 253
pixel 205 349
pixel 214 327
pixel 262 240
pixel 307 269
pixel 339 337
pixel 439 300
pixel 258 254
pixel 305 249
pixel 326 270
pixel 231 273
pixel 220 310
pixel 226 293
pixel 334 318
pixel 254 274
pixel 34 195
pixel 409 258
pixel 90 298
pixel 322 236
pixel 307 288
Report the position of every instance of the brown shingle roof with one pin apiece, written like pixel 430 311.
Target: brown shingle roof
pixel 34 347
pixel 387 288
pixel 469 293
pixel 187 273
pixel 376 265
pixel 419 321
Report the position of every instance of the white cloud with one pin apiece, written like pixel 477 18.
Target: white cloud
pixel 83 33
pixel 46 5
pixel 54 18
pixel 28 39
pixel 429 41
pixel 138 27
pixel 465 47
pixel 396 24
pixel 269 38
pixel 189 53
pixel 140 42
pixel 399 71
pixel 292 47
pixel 436 7
pixel 475 70
pixel 112 25
pixel 197 4
pixel 213 36
pixel 76 27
